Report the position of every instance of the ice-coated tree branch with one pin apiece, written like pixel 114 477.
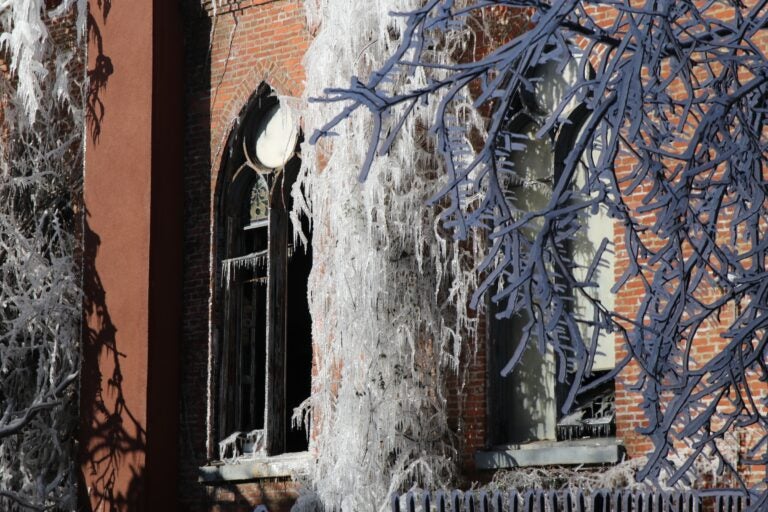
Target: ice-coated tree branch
pixel 671 143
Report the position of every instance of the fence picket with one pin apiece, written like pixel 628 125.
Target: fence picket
pixel 395 503
pixel 485 502
pixel 541 501
pixel 514 502
pixel 582 502
pixel 498 503
pixel 640 503
pixel 456 501
pixel 599 502
pixel 442 501
pixel 469 501
pixel 410 501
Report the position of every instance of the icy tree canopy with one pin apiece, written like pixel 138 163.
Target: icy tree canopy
pixel 389 326
pixel 40 301
pixel 669 141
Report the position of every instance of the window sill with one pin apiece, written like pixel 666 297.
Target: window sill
pixel 605 450
pixel 284 465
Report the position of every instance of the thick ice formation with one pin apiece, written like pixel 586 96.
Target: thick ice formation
pixel 388 293
pixel 40 301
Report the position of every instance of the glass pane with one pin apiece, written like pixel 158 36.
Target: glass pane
pixel 534 169
pixel 259 204
pixel 586 244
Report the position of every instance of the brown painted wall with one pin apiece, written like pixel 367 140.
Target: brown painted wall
pixel 132 257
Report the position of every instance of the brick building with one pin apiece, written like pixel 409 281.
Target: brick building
pixel 172 301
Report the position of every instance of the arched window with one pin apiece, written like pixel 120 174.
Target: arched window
pixel 526 405
pixel 265 354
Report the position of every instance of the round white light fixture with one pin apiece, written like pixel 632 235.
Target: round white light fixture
pixel 276 136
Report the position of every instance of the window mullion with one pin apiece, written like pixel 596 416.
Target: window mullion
pixel 276 328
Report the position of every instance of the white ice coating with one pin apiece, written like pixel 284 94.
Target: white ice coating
pixel 253 261
pixel 40 300
pixel 387 293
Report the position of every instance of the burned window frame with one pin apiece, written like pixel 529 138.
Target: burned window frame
pixel 235 263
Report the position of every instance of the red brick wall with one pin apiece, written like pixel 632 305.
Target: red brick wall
pixel 227 56
pixel 278 494
pixel 709 340
pixel 467 406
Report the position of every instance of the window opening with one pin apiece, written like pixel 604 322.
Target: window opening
pixel 526 405
pixel 299 346
pixel 265 349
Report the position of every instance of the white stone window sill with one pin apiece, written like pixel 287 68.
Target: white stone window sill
pixel 283 465
pixel 604 450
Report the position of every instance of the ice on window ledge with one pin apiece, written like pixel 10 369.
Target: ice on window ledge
pixel 243 445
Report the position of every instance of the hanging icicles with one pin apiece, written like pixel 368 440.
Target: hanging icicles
pixel 388 293
pixel 254 261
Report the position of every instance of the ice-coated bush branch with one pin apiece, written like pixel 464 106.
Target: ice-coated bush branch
pixel 40 208
pixel 671 142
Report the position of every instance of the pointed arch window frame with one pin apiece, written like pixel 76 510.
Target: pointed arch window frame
pixel 241 170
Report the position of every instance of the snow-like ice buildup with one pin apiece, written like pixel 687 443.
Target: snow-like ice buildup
pixel 388 293
pixel 41 149
pixel 239 446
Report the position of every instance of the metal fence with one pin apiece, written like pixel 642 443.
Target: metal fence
pixel 720 500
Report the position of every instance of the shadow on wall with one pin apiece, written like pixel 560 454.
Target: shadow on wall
pixel 110 435
pixel 251 496
pixel 193 449
pixel 99 70
pixel 114 436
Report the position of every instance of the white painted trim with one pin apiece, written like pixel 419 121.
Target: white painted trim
pixel 606 450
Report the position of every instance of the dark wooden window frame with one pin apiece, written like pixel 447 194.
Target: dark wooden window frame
pixel 234 186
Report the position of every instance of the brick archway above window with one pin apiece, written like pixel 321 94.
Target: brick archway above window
pixel 273 75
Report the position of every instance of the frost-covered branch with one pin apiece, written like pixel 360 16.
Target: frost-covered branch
pixel 40 300
pixel 665 120
pixel 390 329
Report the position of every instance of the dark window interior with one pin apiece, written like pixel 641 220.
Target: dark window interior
pixel 298 345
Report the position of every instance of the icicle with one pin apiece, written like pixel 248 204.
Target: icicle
pixel 242 445
pixel 253 261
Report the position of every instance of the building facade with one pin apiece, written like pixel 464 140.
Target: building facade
pixel 198 295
